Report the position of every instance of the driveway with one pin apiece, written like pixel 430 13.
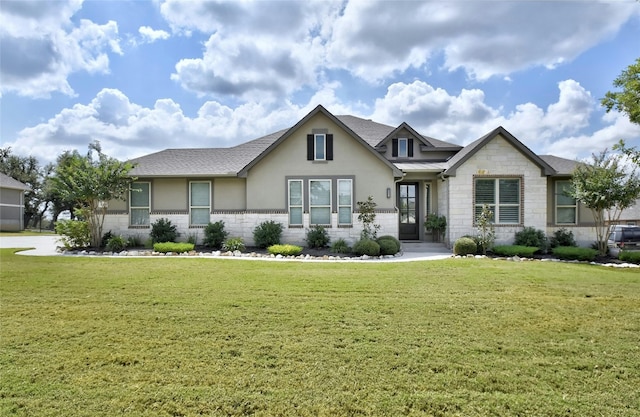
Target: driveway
pixel 46 246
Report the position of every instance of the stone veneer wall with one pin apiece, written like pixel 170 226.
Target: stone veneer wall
pixel 496 159
pixel 241 224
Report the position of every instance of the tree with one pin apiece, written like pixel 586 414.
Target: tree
pixel 367 215
pixel 605 188
pixel 90 182
pixel 628 100
pixel 27 171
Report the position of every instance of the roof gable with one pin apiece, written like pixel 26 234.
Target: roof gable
pixel 319 110
pixel 427 143
pixel 468 151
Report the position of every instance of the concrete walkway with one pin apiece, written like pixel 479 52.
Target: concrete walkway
pixel 46 246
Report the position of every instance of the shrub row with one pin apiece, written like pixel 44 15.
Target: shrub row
pixel 630 256
pixel 516 250
pixel 574 253
pixel 165 247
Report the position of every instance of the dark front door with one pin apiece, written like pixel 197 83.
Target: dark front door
pixel 408 206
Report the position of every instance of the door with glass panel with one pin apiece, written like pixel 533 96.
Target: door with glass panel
pixel 408 210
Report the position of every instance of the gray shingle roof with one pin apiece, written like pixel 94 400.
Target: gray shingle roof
pixel 562 166
pixel 9 182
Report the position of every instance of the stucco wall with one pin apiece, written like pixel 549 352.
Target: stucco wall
pixel 266 184
pixel 496 158
pixel 171 193
pixel 229 194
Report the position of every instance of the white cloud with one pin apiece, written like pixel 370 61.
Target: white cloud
pixel 150 35
pixel 41 47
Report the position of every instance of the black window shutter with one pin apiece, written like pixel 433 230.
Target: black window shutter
pixel 310 153
pixel 410 148
pixel 394 148
pixel 329 147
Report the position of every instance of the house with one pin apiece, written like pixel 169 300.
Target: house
pixel 317 171
pixel 12 203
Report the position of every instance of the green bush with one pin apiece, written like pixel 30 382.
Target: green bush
pixel 389 245
pixel 574 253
pixel 105 239
pixel 164 247
pixel 367 247
pixel 630 256
pixel 214 235
pixel 267 233
pixel 116 244
pixel 340 246
pixel 479 248
pixel 233 244
pixel 530 236
pixel 285 250
pixel 318 237
pixel 515 250
pixel 465 246
pixel 135 241
pixel 562 237
pixel 163 231
pixel 73 233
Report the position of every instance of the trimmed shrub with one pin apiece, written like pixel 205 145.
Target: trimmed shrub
pixel 389 245
pixel 465 246
pixel 515 250
pixel 630 256
pixel 73 233
pixel 340 246
pixel 574 253
pixel 367 247
pixel 214 235
pixel 285 250
pixel 267 233
pixel 116 244
pixel 233 244
pixel 163 231
pixel 164 247
pixel 105 239
pixel 318 237
pixel 530 236
pixel 562 237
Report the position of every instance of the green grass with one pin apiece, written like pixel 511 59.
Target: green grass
pixel 29 232
pixel 193 337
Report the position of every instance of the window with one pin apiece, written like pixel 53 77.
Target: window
pixel 345 201
pixel 502 196
pixel 139 202
pixel 320 202
pixel 402 148
pixel 320 147
pixel 566 206
pixel 295 202
pixel 199 203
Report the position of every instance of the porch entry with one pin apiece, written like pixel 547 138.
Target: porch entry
pixel 408 205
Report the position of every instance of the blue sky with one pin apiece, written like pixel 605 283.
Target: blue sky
pixel 142 76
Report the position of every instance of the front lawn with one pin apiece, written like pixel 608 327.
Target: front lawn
pixel 193 337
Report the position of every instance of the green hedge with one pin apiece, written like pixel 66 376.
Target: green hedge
pixel 630 256
pixel 574 253
pixel 515 250
pixel 165 247
pixel 284 250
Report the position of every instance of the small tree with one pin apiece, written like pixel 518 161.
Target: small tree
pixel 91 181
pixel 486 231
pixel 436 225
pixel 606 188
pixel 367 216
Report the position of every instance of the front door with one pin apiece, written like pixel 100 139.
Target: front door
pixel 408 206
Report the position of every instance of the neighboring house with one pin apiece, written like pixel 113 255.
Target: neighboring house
pixel 317 171
pixel 11 203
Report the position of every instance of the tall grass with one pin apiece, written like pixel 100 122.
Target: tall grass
pixel 188 337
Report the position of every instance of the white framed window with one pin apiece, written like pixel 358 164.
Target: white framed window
pixel 295 202
pixel 320 202
pixel 320 146
pixel 199 203
pixel 345 202
pixel 139 204
pixel 502 195
pixel 566 206
pixel 403 147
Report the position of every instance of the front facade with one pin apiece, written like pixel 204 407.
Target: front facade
pixel 11 204
pixel 316 172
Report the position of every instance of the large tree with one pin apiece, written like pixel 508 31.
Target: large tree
pixel 90 182
pixel 26 170
pixel 606 187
